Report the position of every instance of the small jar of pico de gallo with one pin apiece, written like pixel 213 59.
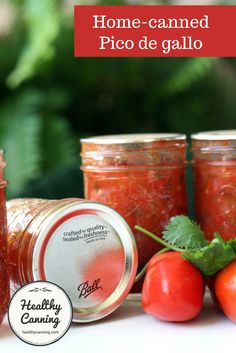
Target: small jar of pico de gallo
pixel 85 247
pixel 214 170
pixel 142 176
pixel 4 279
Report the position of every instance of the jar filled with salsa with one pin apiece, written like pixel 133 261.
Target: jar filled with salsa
pixel 214 170
pixel 85 247
pixel 141 176
pixel 4 279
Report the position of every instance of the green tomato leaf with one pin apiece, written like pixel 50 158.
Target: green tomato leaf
pixel 184 233
pixel 211 258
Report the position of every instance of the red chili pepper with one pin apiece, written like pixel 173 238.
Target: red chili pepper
pixel 173 288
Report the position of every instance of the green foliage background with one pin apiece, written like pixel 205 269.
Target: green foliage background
pixel 49 99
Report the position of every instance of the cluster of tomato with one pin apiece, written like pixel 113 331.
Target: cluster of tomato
pixel 173 288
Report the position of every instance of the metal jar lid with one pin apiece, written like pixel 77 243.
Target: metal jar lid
pixel 133 150
pixel 218 135
pixel 88 249
pixel 133 138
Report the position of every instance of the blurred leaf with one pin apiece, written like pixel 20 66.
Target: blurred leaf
pixel 42 20
pixel 19 136
pixel 36 140
pixel 64 182
pixel 191 70
pixel 57 143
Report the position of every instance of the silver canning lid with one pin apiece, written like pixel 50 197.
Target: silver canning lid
pixel 133 138
pixel 217 135
pixel 88 249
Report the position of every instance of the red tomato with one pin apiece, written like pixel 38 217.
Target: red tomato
pixel 173 288
pixel 225 290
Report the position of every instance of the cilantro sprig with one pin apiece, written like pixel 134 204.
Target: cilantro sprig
pixel 184 235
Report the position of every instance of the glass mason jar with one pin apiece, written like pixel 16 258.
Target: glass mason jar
pixel 214 170
pixel 141 176
pixel 4 279
pixel 73 243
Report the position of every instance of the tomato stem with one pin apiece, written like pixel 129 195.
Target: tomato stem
pixel 142 272
pixel 156 238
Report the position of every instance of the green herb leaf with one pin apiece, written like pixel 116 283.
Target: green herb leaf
pixel 184 233
pixel 232 243
pixel 211 258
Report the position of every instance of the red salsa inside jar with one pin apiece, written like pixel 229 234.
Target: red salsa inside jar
pixel 140 176
pixel 214 168
pixel 20 213
pixel 4 278
pixel 46 239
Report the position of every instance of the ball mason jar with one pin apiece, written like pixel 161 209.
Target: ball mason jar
pixel 4 279
pixel 142 176
pixel 85 247
pixel 214 171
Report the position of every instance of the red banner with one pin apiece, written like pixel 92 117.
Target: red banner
pixel 154 31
